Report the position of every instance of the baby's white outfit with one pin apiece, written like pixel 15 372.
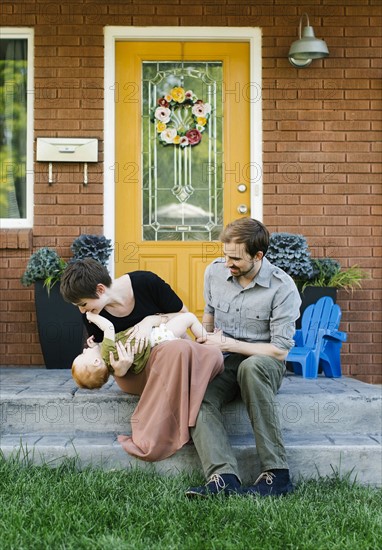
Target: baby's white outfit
pixel 161 334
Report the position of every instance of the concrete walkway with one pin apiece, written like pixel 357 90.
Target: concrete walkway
pixel 329 425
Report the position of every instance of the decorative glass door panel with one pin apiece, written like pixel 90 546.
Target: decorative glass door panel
pixel 182 191
pixel 179 170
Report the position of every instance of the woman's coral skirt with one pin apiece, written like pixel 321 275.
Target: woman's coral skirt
pixel 172 387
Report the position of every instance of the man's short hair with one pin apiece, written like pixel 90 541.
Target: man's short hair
pixel 248 231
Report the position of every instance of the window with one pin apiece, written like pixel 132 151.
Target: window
pixel 16 127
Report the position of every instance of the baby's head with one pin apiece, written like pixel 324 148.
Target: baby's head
pixel 89 370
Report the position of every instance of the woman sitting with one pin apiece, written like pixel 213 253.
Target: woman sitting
pixel 174 380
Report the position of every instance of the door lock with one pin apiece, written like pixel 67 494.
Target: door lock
pixel 242 209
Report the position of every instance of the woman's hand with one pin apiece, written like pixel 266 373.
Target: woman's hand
pixel 140 333
pixel 124 361
pixel 125 357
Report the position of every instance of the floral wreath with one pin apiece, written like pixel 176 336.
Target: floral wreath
pixel 181 118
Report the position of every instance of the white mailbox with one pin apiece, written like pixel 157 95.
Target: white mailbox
pixel 67 150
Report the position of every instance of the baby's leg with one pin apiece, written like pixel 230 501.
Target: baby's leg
pixel 179 325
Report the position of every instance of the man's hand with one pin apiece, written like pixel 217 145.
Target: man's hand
pixel 216 339
pixel 228 344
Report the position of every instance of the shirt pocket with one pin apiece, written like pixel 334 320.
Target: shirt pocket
pixel 258 314
pixel 256 324
pixel 220 305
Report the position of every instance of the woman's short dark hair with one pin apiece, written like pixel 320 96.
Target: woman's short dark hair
pixel 248 231
pixel 80 280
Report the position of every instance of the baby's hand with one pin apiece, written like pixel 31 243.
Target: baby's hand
pixel 90 342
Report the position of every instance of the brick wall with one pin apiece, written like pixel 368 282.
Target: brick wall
pixel 322 148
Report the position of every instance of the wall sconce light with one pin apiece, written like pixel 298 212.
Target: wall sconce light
pixel 307 48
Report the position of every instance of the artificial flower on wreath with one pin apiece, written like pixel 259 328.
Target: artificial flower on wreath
pixel 181 118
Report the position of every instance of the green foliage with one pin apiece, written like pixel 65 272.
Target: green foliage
pixel 97 247
pixel 291 253
pixel 13 90
pixel 329 273
pixel 325 269
pixel 46 265
pixel 64 508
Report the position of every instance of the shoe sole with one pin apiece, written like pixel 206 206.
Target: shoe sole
pixel 194 494
pixel 256 494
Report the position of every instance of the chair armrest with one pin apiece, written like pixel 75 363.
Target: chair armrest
pixel 298 338
pixel 333 335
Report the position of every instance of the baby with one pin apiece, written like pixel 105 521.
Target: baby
pixel 91 369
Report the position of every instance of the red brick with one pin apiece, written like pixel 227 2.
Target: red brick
pixel 321 127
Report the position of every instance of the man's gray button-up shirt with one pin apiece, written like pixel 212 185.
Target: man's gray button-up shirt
pixel 264 311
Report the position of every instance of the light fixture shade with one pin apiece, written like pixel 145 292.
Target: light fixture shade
pixel 307 47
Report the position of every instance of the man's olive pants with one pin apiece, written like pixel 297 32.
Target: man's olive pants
pixel 257 378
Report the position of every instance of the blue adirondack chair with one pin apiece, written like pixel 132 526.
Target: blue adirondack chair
pixel 318 343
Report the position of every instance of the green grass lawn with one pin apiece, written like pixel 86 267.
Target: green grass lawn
pixel 64 508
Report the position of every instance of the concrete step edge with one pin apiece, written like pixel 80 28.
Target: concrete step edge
pixel 296 415
pixel 360 458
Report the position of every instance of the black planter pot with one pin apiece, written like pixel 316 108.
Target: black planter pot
pixel 311 295
pixel 60 327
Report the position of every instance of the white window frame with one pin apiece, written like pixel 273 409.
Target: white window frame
pixel 26 33
pixel 252 35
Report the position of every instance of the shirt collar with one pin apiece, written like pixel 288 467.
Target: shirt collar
pixel 263 277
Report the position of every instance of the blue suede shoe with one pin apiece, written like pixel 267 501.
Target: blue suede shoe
pixel 273 483
pixel 218 484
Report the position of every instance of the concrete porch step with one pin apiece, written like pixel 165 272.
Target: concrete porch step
pixel 328 425
pixel 45 401
pixel 308 456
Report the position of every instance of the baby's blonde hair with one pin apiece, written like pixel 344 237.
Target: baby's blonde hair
pixel 90 379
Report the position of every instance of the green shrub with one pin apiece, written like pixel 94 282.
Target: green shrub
pixel 291 253
pixel 92 246
pixel 46 265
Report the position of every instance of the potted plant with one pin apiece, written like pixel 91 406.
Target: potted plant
pixel 59 323
pixel 291 253
pixel 314 277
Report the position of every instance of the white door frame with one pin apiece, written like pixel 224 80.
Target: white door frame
pixel 252 35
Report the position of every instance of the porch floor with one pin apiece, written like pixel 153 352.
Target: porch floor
pixel 329 425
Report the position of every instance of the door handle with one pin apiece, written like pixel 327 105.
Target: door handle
pixel 242 208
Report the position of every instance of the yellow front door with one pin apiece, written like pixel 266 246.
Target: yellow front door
pixel 174 196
